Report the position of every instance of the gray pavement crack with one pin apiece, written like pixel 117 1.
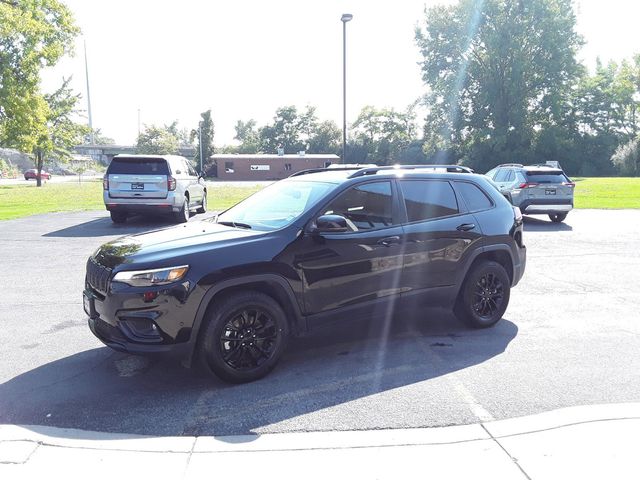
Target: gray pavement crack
pixel 513 459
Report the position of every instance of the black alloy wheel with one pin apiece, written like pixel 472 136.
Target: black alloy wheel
pixel 244 337
pixel 248 339
pixel 488 295
pixel 484 296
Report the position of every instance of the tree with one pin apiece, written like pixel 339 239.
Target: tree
pixel 33 34
pixel 154 140
pixel 99 138
pixel 290 130
pixel 496 71
pixel 248 136
pixel 206 124
pixel 326 137
pixel 627 158
pixel 384 133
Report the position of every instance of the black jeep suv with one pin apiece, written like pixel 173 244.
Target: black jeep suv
pixel 320 246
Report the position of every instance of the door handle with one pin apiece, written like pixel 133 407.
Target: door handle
pixel 387 241
pixel 465 227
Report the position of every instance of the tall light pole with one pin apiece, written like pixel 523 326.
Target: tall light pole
pixel 200 142
pixel 346 17
pixel 86 72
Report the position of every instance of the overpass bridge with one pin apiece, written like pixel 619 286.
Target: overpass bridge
pixel 105 153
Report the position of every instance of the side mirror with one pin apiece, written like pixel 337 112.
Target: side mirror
pixel 331 224
pixel 200 175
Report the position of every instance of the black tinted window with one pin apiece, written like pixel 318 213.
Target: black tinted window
pixel 546 177
pixel 142 166
pixel 475 198
pixel 428 199
pixel 365 206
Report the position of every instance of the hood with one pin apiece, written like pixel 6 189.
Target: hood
pixel 171 242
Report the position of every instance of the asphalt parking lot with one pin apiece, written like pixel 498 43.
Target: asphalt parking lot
pixel 570 336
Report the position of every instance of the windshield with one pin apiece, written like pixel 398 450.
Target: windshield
pixel 276 206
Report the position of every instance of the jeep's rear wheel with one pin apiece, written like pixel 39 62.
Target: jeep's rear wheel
pixel 557 217
pixel 244 337
pixel 118 217
pixel 484 296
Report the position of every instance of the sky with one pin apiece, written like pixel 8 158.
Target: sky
pixel 172 60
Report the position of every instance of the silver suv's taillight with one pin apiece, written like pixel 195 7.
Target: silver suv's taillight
pixel 105 183
pixel 171 184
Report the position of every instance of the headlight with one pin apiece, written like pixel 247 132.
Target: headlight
pixel 148 278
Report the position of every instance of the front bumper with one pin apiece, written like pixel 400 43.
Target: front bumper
pixel 125 323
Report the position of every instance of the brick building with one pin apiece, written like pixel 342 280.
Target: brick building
pixel 267 167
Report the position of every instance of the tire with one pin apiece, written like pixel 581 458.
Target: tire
pixel 203 207
pixel 245 316
pixel 118 217
pixel 484 296
pixel 557 217
pixel 183 215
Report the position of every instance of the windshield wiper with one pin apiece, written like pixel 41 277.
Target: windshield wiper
pixel 235 224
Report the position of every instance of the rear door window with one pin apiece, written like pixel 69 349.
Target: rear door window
pixel 142 166
pixel 428 199
pixel 474 197
pixel 546 176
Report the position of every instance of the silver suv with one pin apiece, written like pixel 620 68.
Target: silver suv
pixel 535 189
pixel 153 183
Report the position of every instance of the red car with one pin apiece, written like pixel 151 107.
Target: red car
pixel 32 174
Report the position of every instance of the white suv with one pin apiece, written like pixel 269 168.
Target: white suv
pixel 153 183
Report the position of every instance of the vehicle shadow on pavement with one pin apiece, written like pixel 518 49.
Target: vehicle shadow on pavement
pixel 538 225
pixel 106 391
pixel 104 227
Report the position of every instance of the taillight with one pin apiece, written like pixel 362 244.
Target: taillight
pixel 105 183
pixel 171 184
pixel 528 185
pixel 569 184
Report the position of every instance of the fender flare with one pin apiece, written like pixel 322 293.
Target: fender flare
pixel 298 320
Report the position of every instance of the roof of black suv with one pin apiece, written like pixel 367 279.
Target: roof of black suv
pixel 339 174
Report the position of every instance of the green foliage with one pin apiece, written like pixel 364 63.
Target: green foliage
pixel 290 130
pixel 627 158
pixel 206 124
pixel 248 136
pixel 154 140
pixel 383 133
pixel 496 71
pixel 98 138
pixel 33 34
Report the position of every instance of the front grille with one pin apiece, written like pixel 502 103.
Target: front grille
pixel 98 276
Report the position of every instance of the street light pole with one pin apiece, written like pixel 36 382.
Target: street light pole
pixel 200 143
pixel 346 17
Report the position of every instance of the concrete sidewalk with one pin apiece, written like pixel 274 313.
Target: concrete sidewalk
pixel 598 441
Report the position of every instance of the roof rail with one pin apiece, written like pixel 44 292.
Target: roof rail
pixel 373 170
pixel 510 165
pixel 322 169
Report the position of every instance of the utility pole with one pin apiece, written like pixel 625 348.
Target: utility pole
pixel 86 71
pixel 346 17
pixel 200 143
pixel 138 122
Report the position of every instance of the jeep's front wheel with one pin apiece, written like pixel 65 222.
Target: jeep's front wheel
pixel 244 337
pixel 484 296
